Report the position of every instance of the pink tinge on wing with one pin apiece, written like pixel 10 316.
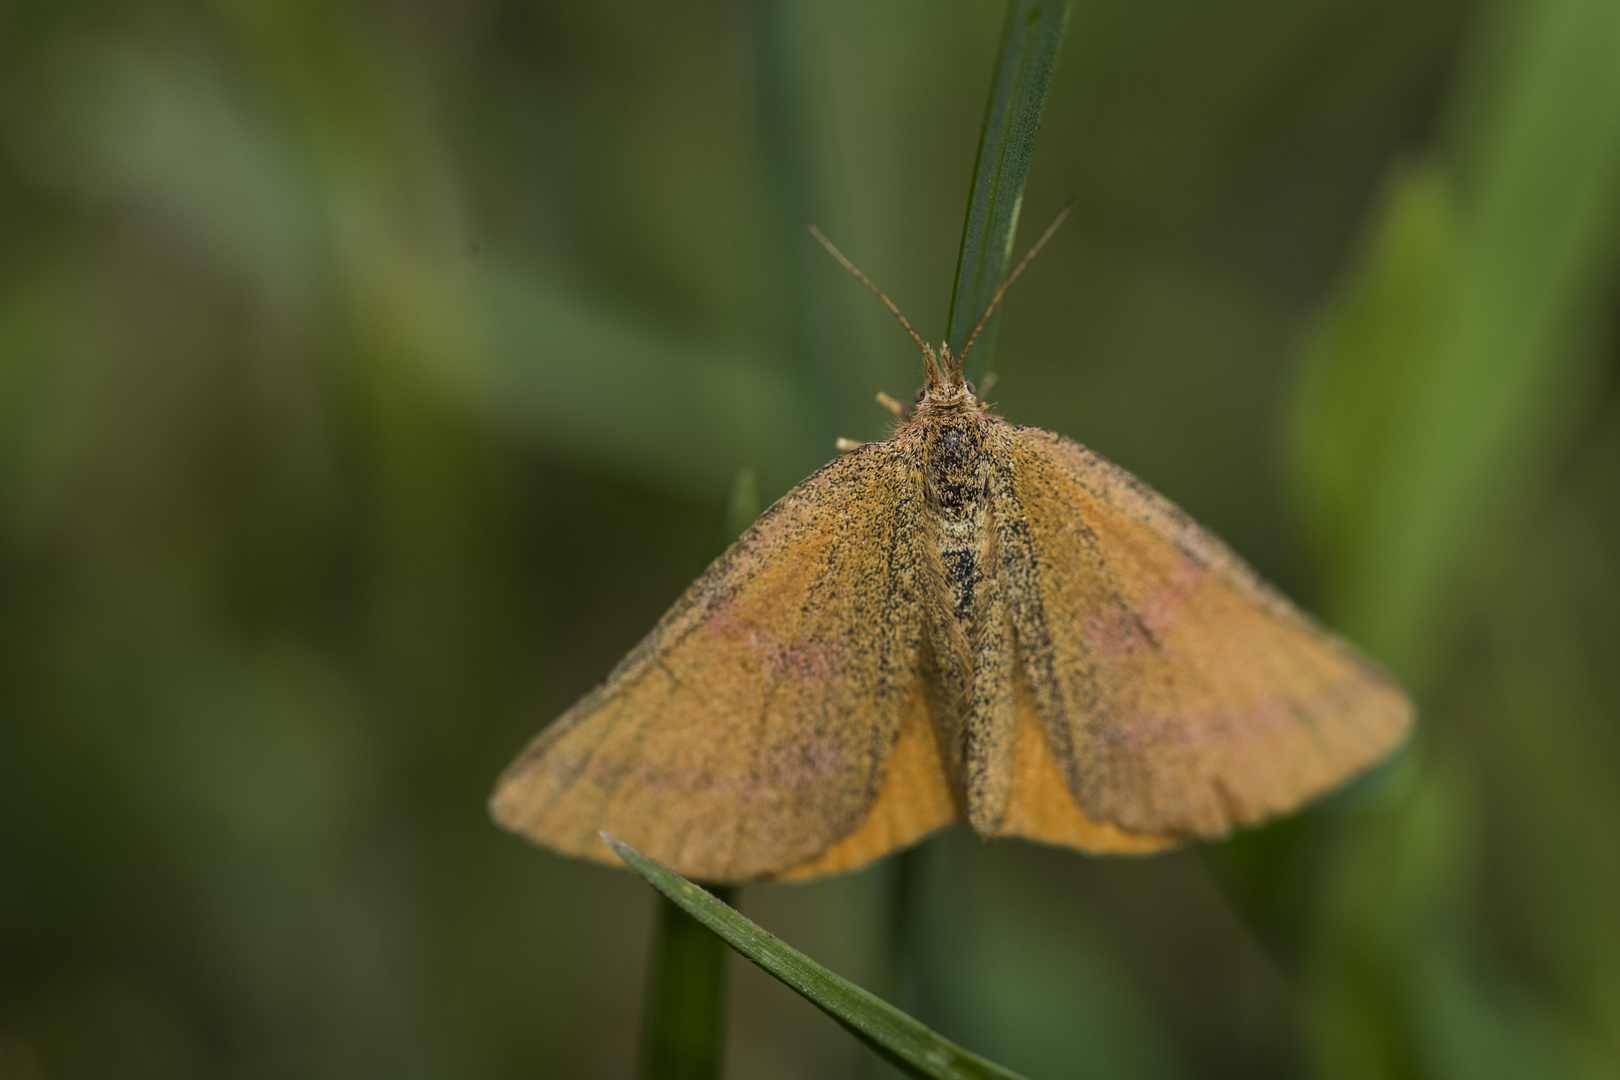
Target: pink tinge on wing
pixel 813 660
pixel 1125 630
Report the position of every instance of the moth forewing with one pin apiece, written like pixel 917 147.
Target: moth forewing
pixel 1181 694
pixel 750 730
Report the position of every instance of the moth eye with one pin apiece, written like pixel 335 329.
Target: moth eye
pixel 974 390
pixel 922 392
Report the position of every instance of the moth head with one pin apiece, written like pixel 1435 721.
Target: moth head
pixel 944 386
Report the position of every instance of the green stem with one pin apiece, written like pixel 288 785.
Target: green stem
pixel 683 1031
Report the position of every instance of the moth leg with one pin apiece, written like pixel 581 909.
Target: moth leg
pixel 891 404
pixel 846 445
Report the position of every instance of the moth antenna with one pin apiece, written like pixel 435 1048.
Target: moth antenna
pixel 1012 277
pixel 930 362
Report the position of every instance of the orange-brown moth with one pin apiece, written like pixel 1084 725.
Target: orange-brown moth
pixel 968 620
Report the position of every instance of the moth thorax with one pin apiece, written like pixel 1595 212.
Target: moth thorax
pixel 955 462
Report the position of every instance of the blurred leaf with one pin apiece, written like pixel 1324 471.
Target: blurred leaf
pixel 1399 981
pixel 1022 964
pixel 1030 40
pixel 1382 329
pixel 891 1033
pixel 1437 395
pixel 166 130
pixel 788 61
pixel 1465 333
pixel 587 381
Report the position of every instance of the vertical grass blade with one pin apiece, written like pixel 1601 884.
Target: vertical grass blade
pixel 683 1035
pixel 1030 40
pixel 683 1028
pixel 905 1043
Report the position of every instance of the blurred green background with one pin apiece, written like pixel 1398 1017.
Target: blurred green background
pixel 372 376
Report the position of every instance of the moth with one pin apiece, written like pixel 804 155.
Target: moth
pixel 967 621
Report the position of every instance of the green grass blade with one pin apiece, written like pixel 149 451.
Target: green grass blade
pixel 683 1037
pixel 907 1044
pixel 1029 47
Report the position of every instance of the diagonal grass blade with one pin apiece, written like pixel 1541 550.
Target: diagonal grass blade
pixel 904 1042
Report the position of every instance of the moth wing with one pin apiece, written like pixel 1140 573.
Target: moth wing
pixel 915 800
pixel 1182 695
pixel 1041 804
pixel 750 730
